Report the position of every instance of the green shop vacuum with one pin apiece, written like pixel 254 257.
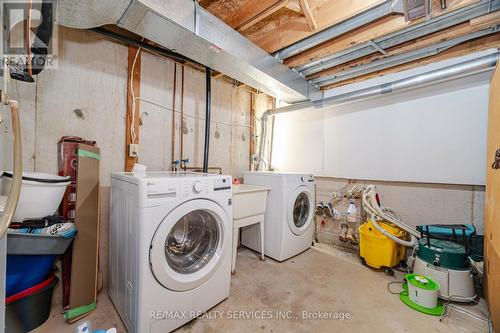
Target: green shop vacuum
pixel 443 252
pixel 443 255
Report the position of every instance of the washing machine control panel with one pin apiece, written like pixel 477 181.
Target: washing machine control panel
pixel 307 179
pixel 222 184
pixel 197 187
pixel 190 188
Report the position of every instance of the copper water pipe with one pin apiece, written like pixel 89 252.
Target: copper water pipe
pixel 15 188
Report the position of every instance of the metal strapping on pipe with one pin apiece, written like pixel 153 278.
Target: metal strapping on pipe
pixel 401 36
pixel 367 16
pixel 441 75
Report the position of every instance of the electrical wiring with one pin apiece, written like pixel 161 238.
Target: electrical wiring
pixel 257 92
pixel 132 110
pixel 187 115
pixel 391 283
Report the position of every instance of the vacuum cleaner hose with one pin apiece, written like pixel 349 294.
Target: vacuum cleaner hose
pixel 15 189
pixel 378 213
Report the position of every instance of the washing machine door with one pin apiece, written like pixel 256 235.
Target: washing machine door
pixel 187 247
pixel 300 210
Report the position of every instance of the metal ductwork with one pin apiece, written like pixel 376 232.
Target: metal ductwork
pixel 186 28
pixel 457 71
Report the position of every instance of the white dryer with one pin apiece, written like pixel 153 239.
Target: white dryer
pixel 170 247
pixel 289 225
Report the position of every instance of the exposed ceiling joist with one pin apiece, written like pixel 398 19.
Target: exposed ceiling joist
pixel 377 29
pixel 399 37
pixel 294 5
pixel 367 16
pixel 477 45
pixel 287 26
pixel 308 13
pixel 400 58
pixel 419 43
pixel 356 38
pixel 253 12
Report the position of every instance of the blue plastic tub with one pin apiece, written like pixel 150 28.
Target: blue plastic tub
pixel 25 271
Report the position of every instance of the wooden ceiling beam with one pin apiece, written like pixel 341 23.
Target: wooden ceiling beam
pixel 377 29
pixel 426 41
pixel 290 27
pixel 253 12
pixel 262 15
pixel 306 9
pixel 294 5
pixel 477 45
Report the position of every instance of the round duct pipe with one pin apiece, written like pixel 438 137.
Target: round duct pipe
pixel 441 75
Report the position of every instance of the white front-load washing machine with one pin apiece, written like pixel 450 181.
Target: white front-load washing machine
pixel 288 221
pixel 170 247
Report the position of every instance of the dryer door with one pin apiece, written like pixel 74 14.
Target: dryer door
pixel 300 210
pixel 187 247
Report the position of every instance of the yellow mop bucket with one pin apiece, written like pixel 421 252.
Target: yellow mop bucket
pixel 377 250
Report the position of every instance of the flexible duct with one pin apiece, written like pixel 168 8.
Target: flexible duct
pixel 15 188
pixel 452 72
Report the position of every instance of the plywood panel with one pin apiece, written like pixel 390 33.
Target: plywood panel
pixel 492 211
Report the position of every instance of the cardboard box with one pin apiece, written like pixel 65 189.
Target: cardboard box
pixel 79 159
pixel 84 265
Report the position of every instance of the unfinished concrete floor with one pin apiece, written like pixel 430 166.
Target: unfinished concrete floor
pixel 315 280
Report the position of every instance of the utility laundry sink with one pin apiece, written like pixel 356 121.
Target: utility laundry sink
pixel 249 207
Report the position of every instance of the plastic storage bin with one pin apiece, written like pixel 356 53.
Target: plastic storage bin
pixel 24 271
pixel 377 250
pixel 34 244
pixel 29 309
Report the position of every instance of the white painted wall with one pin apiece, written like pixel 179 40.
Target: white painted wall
pixel 433 135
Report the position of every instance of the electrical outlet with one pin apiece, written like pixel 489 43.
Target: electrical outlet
pixel 133 150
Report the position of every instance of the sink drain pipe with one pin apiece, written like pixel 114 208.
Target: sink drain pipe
pixel 464 69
